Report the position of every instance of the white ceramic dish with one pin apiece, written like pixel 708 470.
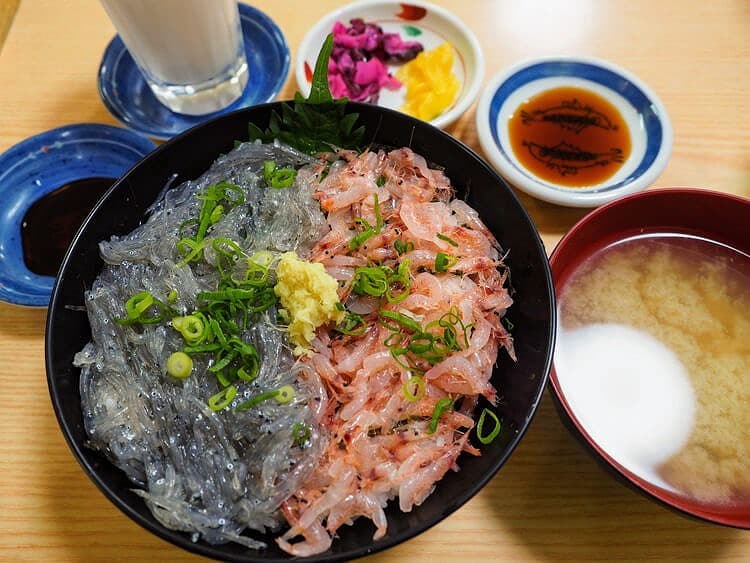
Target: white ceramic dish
pixel 645 116
pixel 429 24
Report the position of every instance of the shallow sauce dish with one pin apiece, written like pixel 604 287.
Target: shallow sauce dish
pixel 645 438
pixel 416 21
pixel 38 167
pixel 186 157
pixel 640 112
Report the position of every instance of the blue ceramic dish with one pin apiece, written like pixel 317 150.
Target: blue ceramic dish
pixel 129 99
pixel 645 115
pixel 39 165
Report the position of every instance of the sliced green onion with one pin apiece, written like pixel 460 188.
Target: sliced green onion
pixel 191 327
pixel 444 261
pixel 190 250
pixel 393 339
pixel 179 365
pixel 284 394
pixel 184 225
pixel 222 399
pixel 218 332
pixel 142 308
pixel 137 305
pixel 380 182
pixel 245 375
pixel 352 325
pixel 300 433
pixel 402 246
pixel 216 214
pixel 172 296
pixel 252 401
pixel 226 247
pixel 283 178
pixel 378 216
pixel 278 177
pixel 223 191
pixel 397 353
pixel 223 361
pixel 488 438
pixel 447 239
pixel 402 277
pixel 370 280
pixel 443 405
pixel 268 167
pixel 369 231
pixel 223 380
pixel 417 383
pixel 509 325
pixel 400 320
pixel 421 343
pixel 258 269
pixel 362 237
pixel 202 348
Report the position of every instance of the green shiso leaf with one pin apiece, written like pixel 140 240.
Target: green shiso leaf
pixel 320 93
pixel 316 124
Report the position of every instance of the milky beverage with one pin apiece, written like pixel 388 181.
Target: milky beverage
pixel 191 52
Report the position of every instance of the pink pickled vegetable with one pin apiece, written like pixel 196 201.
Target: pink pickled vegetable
pixel 361 52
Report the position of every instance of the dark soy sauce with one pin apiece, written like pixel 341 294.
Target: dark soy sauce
pixel 51 222
pixel 569 136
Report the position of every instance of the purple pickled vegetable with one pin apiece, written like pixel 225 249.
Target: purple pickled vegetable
pixel 357 68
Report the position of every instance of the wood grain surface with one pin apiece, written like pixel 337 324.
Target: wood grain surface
pixel 551 502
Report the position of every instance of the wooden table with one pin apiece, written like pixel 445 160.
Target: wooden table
pixel 551 501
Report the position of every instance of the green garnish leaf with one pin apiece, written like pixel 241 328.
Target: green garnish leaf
pixel 318 123
pixel 320 92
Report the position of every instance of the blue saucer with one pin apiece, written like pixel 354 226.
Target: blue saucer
pixel 39 165
pixel 129 99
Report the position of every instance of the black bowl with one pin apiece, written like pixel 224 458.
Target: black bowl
pixel 187 156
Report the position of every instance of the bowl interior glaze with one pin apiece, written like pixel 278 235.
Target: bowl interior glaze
pixel 186 157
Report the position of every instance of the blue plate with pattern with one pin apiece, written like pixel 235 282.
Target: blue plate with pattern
pixel 641 110
pixel 38 166
pixel 129 99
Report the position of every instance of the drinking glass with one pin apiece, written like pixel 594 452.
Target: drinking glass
pixel 191 52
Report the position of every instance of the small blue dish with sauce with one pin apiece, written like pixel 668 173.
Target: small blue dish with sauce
pixel 48 184
pixel 129 99
pixel 568 152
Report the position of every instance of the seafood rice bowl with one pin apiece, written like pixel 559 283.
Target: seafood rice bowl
pixel 259 351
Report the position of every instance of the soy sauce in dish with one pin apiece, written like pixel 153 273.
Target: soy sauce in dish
pixel 50 223
pixel 569 136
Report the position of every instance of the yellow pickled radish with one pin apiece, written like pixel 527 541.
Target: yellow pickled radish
pixel 431 85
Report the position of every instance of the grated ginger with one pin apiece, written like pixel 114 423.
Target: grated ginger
pixel 308 297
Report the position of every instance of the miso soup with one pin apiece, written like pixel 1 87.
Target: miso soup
pixel 653 356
